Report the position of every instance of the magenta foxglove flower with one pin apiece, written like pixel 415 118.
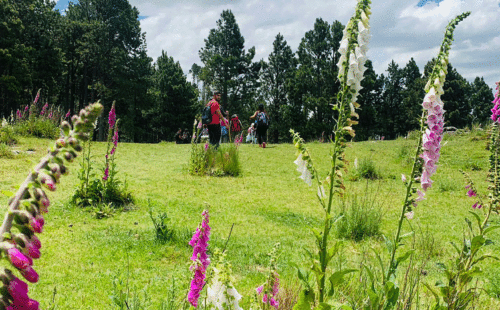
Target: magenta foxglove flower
pixel 471 193
pixel 206 146
pixel 496 109
pixel 199 242
pixel 30 274
pixel 18 289
pixel 18 259
pixel 67 116
pixel 19 115
pixel 106 174
pixel 112 117
pixel 26 108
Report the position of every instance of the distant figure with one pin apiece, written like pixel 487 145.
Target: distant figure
pixel 178 136
pixel 262 125
pixel 214 130
pixel 235 125
pixel 251 134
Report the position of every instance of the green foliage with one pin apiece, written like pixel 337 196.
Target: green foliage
pixel 5 151
pixel 7 135
pixel 223 161
pixel 37 127
pixel 163 233
pixel 359 218
pixel 365 169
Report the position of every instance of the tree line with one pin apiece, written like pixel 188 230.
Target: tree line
pixel 97 51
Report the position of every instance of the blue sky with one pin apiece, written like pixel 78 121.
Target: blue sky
pixel 400 29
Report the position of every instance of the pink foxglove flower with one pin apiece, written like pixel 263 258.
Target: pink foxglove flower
pixel 206 146
pixel 495 116
pixel 18 290
pixel 471 193
pixel 68 115
pixel 409 215
pixel 37 97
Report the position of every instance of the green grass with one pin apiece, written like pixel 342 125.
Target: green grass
pixel 82 256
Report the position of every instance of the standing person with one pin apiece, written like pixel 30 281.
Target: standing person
pixel 214 129
pixel 262 125
pixel 235 125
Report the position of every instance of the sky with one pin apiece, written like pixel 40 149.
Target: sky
pixel 400 30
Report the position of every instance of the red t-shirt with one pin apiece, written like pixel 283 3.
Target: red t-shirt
pixel 214 106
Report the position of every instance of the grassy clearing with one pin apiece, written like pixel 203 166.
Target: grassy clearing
pixel 82 257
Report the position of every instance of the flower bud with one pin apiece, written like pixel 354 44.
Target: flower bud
pixel 64 170
pixel 60 143
pixel 18 289
pixel 30 274
pixel 47 181
pixel 18 259
pixel 68 156
pixel 65 126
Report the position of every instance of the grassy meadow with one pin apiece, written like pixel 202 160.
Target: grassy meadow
pixel 85 261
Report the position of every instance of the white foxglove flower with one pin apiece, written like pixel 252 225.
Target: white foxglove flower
pixel 302 168
pixel 343 46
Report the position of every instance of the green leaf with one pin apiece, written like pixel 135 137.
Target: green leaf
pixel 483 257
pixel 487 230
pixel 469 224
pixel 306 297
pixel 456 247
pixel 337 278
pixel 477 242
pixel 8 193
pixel 411 233
pixel 323 306
pixel 478 219
pixel 433 292
pixel 405 256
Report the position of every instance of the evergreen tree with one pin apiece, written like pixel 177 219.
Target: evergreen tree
pixel 480 101
pixel 276 76
pixel 176 100
pixel 227 67
pixel 370 97
pixel 391 99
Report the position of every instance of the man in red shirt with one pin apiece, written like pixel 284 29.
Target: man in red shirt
pixel 214 127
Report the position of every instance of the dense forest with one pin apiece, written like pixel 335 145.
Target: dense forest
pixel 97 51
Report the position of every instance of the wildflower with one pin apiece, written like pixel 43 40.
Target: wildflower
pixel 18 259
pixel 37 97
pixel 471 193
pixel 44 108
pixel 30 274
pixel 302 167
pixel 206 146
pixel 409 215
pixel 477 206
pixel 199 242
pixel 112 117
pixel 67 116
pixel 26 108
pixel 106 174
pixel 19 115
pixel 496 109
pixel 403 178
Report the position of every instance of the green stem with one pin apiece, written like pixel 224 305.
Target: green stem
pixel 392 270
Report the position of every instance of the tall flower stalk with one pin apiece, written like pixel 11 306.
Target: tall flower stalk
pixel 200 259
pixel 429 144
pixel 112 144
pixel 353 48
pixel 19 243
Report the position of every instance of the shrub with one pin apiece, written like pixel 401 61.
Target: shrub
pixel 5 151
pixel 223 161
pixel 7 135
pixel 37 127
pixel 360 217
pixel 414 135
pixel 365 169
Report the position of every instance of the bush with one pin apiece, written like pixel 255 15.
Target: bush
pixel 359 218
pixel 223 161
pixel 7 135
pixel 5 151
pixel 113 194
pixel 37 127
pixel 365 169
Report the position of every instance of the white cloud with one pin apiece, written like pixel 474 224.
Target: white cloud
pixel 400 30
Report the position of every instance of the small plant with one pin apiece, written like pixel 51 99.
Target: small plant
pixel 5 151
pixel 108 190
pixel 206 160
pixel 7 135
pixel 365 169
pixel 162 231
pixel 360 218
